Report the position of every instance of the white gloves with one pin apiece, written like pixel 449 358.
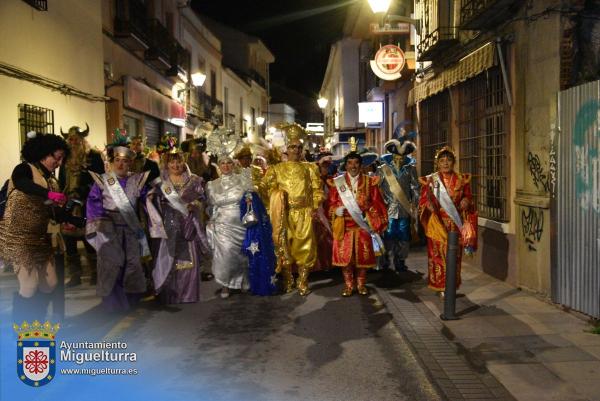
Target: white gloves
pixel 340 211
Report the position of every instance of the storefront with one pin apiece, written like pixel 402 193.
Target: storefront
pixel 149 113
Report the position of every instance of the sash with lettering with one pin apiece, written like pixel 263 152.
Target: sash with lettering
pixel 441 193
pixel 352 207
pixel 396 189
pixel 173 197
pixel 111 183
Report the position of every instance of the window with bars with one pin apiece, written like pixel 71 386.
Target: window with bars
pixel 35 118
pixel 484 129
pixel 434 114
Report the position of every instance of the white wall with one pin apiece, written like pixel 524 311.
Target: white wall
pixel 341 84
pixel 64 44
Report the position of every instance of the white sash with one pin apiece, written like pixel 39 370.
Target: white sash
pixel 168 190
pixel 352 207
pixel 396 188
pixel 441 193
pixel 111 184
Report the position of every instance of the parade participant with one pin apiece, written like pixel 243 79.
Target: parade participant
pixel 244 157
pixel 445 205
pixel 33 200
pixel 76 182
pixel 359 215
pixel 114 230
pixel 295 193
pixel 141 163
pixel 321 224
pixel 400 189
pixel 176 220
pixel 199 162
pixel 225 230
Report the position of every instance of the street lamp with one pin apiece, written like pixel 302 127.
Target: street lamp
pixel 260 120
pixel 322 102
pixel 198 79
pixel 380 6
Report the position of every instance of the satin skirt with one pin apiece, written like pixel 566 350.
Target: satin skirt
pixel 225 236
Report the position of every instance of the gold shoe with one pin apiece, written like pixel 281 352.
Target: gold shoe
pixel 347 291
pixel 442 294
pixel 289 288
pixel 362 290
pixel 304 291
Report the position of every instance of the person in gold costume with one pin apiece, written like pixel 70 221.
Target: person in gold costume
pixel 295 192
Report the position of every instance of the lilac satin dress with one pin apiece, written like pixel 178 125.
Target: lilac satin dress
pixel 183 242
pixel 121 279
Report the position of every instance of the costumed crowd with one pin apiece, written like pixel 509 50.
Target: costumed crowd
pixel 249 216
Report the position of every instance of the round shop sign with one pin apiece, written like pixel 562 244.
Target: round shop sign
pixel 389 61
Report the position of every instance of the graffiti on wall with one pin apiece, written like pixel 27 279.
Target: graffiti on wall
pixel 552 163
pixel 540 179
pixel 585 139
pixel 532 224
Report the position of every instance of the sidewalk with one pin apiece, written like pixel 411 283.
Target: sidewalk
pixel 507 344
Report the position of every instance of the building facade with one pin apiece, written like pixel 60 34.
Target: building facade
pixel 350 79
pixel 146 68
pixel 50 72
pixel 491 91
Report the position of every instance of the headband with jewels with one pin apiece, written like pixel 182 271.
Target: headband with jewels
pixel 36 330
pixel 120 145
pixel 445 150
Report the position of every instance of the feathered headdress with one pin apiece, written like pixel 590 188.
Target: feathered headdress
pixel 168 144
pixel 119 145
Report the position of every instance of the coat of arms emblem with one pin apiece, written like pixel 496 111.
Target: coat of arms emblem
pixel 36 352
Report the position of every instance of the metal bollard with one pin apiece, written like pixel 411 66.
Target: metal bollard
pixel 450 291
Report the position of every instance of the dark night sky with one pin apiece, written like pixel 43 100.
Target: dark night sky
pixel 298 32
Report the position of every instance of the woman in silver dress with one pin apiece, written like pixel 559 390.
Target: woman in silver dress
pixel 225 230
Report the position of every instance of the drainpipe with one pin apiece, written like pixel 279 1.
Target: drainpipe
pixel 504 73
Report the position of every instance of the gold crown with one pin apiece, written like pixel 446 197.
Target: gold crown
pixel 445 149
pixel 36 330
pixel 353 144
pixel 293 132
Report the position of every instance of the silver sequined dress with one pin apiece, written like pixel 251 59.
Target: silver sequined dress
pixel 225 231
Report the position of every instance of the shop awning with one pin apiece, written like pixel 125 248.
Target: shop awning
pixel 469 66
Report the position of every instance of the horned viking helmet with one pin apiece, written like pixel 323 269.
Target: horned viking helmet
pixel 75 130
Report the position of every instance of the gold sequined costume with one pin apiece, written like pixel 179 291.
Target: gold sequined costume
pixel 295 192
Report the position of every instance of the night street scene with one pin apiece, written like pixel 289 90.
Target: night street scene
pixel 300 200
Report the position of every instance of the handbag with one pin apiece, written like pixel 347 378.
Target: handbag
pixel 249 219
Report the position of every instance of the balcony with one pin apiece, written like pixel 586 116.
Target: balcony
pixel 180 62
pixel 131 25
pixel 256 77
pixel 202 105
pixel 478 15
pixel 40 5
pixel 436 43
pixel 161 46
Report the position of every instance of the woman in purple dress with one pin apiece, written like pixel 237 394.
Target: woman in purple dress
pixel 183 242
pixel 114 230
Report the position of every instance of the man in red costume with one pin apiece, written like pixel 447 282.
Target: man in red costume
pixel 358 214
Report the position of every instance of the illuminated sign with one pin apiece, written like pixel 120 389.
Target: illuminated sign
pixel 389 61
pixel 370 112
